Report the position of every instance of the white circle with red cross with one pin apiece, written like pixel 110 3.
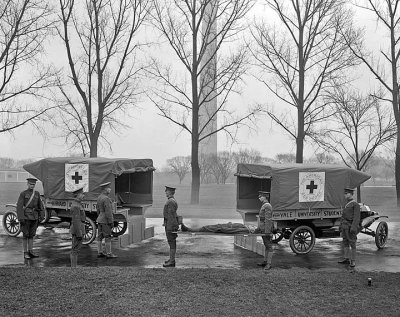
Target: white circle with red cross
pixel 311 186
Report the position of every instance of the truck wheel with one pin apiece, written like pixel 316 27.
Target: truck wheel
pixel 381 234
pixel 119 228
pixel 302 240
pixel 11 224
pixel 90 231
pixel 277 236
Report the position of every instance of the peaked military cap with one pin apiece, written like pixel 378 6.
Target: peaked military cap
pixel 31 180
pixel 172 189
pixel 104 185
pixel 349 190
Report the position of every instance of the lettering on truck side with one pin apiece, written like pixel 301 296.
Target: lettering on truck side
pixel 305 214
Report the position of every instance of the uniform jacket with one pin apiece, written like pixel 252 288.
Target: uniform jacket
pixel 351 215
pixel 31 212
pixel 104 209
pixel 170 216
pixel 266 223
pixel 78 218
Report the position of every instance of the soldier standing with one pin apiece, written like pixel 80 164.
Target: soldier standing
pixel 171 224
pixel 29 208
pixel 105 221
pixel 77 228
pixel 349 227
pixel 266 226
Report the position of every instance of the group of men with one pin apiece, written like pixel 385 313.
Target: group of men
pixel 30 209
pixel 350 226
pixel 171 223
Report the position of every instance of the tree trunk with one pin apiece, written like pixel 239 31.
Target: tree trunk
pixel 93 145
pixel 397 168
pixel 299 149
pixel 195 190
pixel 395 105
pixel 300 101
pixel 358 194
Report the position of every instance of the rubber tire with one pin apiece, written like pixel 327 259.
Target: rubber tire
pixel 381 234
pixel 277 237
pixel 300 237
pixel 119 228
pixel 10 220
pixel 90 231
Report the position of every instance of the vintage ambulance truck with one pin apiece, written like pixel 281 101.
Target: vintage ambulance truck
pixel 307 201
pixel 131 183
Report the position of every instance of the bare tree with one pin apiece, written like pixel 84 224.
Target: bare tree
pixel 284 158
pixel 7 162
pixel 179 165
pixel 247 156
pixel 100 38
pixel 222 167
pixel 24 79
pixel 324 158
pixel 205 165
pixel 204 73
pixel 381 169
pixel 385 68
pixel 301 58
pixel 389 154
pixel 360 125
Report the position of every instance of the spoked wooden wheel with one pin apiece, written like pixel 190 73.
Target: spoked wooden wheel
pixel 277 236
pixel 302 240
pixel 11 224
pixel 381 234
pixel 90 231
pixel 119 228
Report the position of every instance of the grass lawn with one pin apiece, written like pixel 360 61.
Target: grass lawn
pixel 115 291
pixel 132 291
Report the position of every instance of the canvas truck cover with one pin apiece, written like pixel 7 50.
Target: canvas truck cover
pixel 62 175
pixel 302 186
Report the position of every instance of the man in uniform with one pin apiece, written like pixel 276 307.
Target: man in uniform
pixel 171 224
pixel 349 228
pixel 105 221
pixel 77 228
pixel 266 226
pixel 29 209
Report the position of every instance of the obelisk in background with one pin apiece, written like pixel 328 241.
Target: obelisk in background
pixel 208 110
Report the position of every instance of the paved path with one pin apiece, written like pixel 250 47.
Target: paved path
pixel 214 251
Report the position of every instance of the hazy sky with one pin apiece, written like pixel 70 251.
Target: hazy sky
pixel 151 136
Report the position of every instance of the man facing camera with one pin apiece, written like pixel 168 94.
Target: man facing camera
pixel 29 208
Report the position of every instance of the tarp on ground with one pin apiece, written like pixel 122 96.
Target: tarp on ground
pixel 52 173
pixel 303 186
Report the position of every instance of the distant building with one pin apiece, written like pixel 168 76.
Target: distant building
pixel 13 176
pixel 208 110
